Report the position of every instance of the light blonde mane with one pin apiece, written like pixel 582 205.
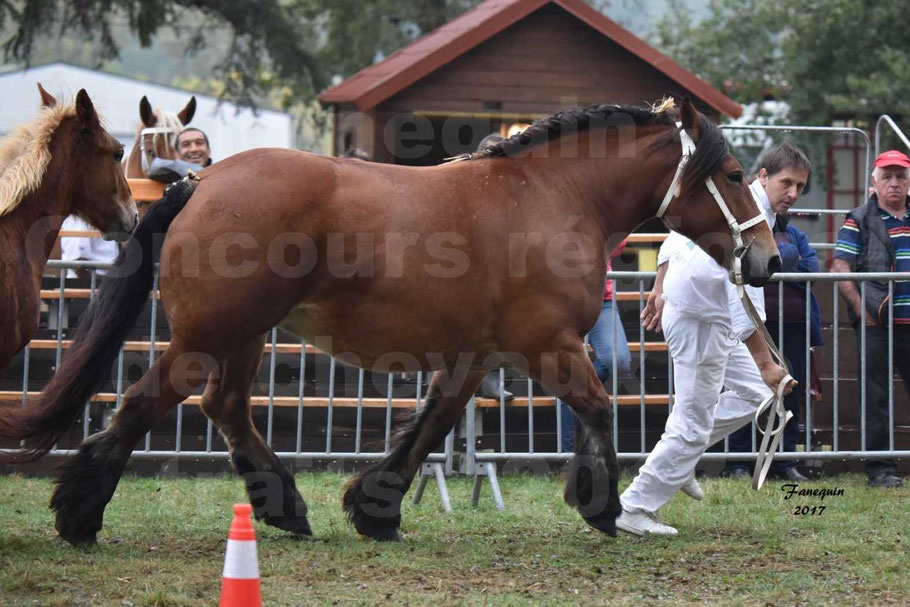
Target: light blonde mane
pixel 165 120
pixel 25 155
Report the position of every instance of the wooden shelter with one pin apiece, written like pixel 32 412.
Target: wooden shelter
pixel 497 67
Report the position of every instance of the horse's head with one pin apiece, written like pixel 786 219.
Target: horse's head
pixel 101 195
pixel 713 205
pixel 157 135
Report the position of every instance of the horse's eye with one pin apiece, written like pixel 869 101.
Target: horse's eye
pixel 118 155
pixel 735 177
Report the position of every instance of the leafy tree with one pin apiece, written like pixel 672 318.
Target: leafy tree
pixel 851 58
pixel 734 48
pixel 294 45
pixel 358 32
pixel 267 35
pixel 825 58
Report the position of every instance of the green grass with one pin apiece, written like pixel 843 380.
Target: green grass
pixel 163 545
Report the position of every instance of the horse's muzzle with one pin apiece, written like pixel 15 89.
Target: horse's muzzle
pixel 123 225
pixel 760 278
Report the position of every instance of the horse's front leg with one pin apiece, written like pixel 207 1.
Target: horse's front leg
pixel 372 498
pixel 269 484
pixel 565 370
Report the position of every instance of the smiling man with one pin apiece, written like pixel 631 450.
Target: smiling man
pixel 193 147
pixel 193 154
pixel 876 238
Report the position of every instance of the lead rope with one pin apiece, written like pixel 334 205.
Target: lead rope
pixel 778 416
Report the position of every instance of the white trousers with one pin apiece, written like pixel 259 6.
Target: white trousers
pixel 705 360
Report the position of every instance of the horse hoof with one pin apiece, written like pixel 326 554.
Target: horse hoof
pixel 77 524
pixel 387 534
pixel 603 522
pixel 375 517
pixel 81 536
pixel 298 525
pixel 379 529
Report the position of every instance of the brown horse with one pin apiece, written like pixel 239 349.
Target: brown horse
pixel 156 137
pixel 62 162
pixel 460 268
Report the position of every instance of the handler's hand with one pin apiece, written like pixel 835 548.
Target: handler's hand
pixel 773 374
pixel 651 315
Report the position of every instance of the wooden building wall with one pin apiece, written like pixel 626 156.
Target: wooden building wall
pixel 548 61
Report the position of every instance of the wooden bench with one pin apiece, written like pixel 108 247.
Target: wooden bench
pixel 281 348
pixel 146 190
pixel 370 403
pixel 54 294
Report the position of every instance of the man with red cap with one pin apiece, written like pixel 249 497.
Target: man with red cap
pixel 876 238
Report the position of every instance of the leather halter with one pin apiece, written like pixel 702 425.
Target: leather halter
pixel 778 416
pixel 736 228
pixel 146 154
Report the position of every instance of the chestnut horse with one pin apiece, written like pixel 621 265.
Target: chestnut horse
pixel 156 137
pixel 62 162
pixel 459 268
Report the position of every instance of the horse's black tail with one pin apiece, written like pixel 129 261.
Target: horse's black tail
pixel 99 336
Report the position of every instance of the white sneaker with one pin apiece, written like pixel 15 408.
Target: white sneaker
pixel 693 489
pixel 643 523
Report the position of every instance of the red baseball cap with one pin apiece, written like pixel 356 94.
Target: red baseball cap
pixel 892 158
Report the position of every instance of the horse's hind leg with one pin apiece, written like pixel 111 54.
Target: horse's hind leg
pixel 269 484
pixel 372 498
pixel 88 479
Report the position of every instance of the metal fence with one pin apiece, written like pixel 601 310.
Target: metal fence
pixel 832 451
pixel 499 447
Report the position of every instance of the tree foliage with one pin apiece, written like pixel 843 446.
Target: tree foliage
pixel 825 58
pixel 358 32
pixel 294 45
pixel 267 37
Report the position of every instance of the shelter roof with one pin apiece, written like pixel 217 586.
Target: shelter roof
pixel 380 81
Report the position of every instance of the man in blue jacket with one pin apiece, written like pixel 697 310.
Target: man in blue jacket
pixel 782 178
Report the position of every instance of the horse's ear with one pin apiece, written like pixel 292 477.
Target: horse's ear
pixel 146 113
pixel 187 113
pixel 688 115
pixel 47 100
pixel 85 110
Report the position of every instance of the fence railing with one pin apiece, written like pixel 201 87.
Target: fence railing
pixel 642 399
pixel 885 120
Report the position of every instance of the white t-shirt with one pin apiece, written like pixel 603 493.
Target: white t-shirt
pixel 88 249
pixel 698 286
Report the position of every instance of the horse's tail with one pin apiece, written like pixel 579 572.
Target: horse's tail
pixel 99 336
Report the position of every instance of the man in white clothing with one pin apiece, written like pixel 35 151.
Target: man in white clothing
pixel 84 248
pixel 713 344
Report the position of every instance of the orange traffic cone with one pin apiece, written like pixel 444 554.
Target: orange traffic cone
pixel 240 580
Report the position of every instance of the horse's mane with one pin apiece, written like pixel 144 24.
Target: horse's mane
pixel 710 150
pixel 25 155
